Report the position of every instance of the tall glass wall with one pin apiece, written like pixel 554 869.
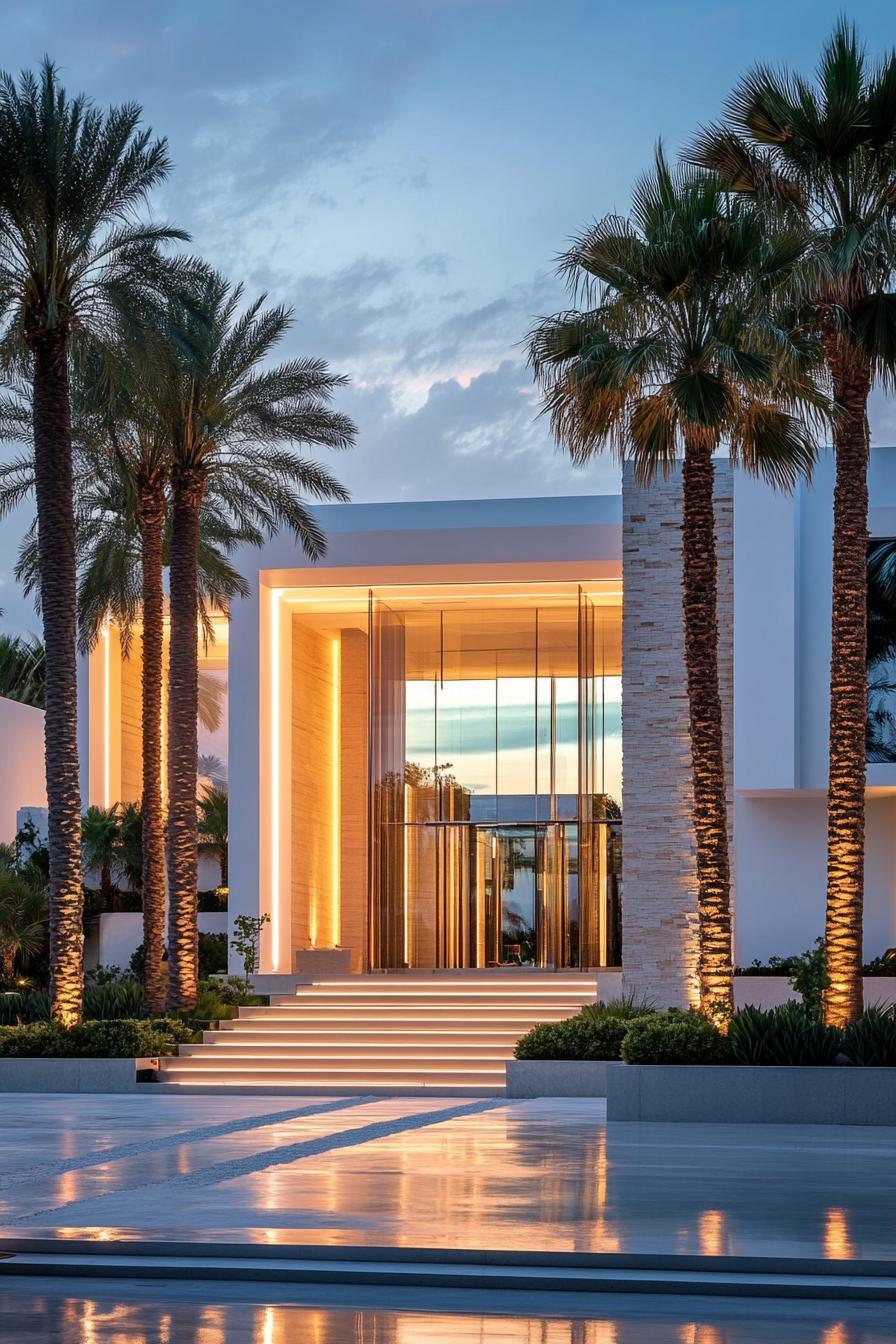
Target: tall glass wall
pixel 495 762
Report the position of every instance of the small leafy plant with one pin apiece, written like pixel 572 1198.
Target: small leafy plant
pixel 246 943
pixel 788 1034
pixel 871 1040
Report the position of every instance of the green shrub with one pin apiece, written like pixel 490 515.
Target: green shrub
pixel 210 1007
pixel 885 965
pixel 788 1034
pixel 871 1040
pixel 16 1008
pixel 125 1039
pixel 113 1000
pixel 35 1040
pixel 212 954
pixel 582 1037
pixel 674 1038
pixel 626 1007
pixel 175 1029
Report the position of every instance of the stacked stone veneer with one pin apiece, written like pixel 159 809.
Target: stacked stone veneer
pixel 659 908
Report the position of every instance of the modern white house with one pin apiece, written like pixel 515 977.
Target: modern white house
pixel 459 742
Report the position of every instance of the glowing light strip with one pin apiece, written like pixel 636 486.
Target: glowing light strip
pixel 335 802
pixel 107 718
pixel 274 810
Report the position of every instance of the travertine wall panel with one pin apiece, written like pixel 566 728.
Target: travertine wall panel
pixel 659 912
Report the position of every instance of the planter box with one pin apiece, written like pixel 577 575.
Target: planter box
pixel 751 1094
pixel 69 1075
pixel 557 1077
pixel 324 961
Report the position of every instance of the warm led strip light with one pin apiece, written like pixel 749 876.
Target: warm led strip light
pixel 107 718
pixel 335 802
pixel 274 808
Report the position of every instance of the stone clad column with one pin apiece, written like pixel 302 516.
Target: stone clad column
pixel 659 886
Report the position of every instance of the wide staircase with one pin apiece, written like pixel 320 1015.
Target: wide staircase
pixel 381 1034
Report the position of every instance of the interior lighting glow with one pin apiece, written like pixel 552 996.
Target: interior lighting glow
pixel 107 717
pixel 274 811
pixel 335 807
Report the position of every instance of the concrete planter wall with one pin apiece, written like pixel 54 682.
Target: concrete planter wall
pixel 556 1078
pixel 69 1075
pixel 744 1094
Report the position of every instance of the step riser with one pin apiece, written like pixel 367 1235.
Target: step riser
pixel 237 1048
pixel 363 1040
pixel 351 1081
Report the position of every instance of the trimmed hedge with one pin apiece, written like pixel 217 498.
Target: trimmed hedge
pixel 125 1039
pixel 674 1038
pixel 581 1037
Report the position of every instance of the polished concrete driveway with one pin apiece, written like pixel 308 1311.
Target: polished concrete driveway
pixel 433 1172
pixel 165 1313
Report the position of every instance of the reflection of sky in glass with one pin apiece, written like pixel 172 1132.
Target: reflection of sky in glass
pixel 465 722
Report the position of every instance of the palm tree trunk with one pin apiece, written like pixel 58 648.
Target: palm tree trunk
pixel 701 641
pixel 56 559
pixel 151 509
pixel 7 962
pixel 183 695
pixel 849 695
pixel 222 859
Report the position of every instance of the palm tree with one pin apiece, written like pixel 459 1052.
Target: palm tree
pixel 679 351
pixel 22 670
pixel 23 914
pixel 129 858
pixel 229 423
pixel 826 156
pixel 72 255
pixel 212 807
pixel 100 839
pixel 121 550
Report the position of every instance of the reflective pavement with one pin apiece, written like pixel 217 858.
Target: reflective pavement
pixel 167 1313
pixel 432 1172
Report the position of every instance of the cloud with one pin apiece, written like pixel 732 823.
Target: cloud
pixel 464 441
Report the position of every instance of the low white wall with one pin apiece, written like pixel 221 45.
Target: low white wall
pixel 121 934
pixel 767 991
pixel 22 781
pixel 780 857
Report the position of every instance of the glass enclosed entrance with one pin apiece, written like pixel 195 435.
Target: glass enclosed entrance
pixel 494 777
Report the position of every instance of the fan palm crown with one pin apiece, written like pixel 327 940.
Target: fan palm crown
pixel 679 350
pixel 823 155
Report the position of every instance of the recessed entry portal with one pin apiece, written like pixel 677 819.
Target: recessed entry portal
pixel 455 774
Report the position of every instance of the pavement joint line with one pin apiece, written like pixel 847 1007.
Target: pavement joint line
pixel 248 1166
pixel 62 1167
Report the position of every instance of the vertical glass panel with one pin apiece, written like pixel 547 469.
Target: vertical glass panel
pixel 388 925
pixel 515 748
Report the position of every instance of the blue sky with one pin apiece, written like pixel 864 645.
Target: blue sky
pixel 404 172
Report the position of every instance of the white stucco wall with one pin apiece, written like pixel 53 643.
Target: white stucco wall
pixel 22 782
pixel 780 875
pixel 782 651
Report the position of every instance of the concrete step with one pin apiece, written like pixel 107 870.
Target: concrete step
pixel 402 1012
pixel 345 1078
pixel 436 1268
pixel 238 1048
pixel 285 1036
